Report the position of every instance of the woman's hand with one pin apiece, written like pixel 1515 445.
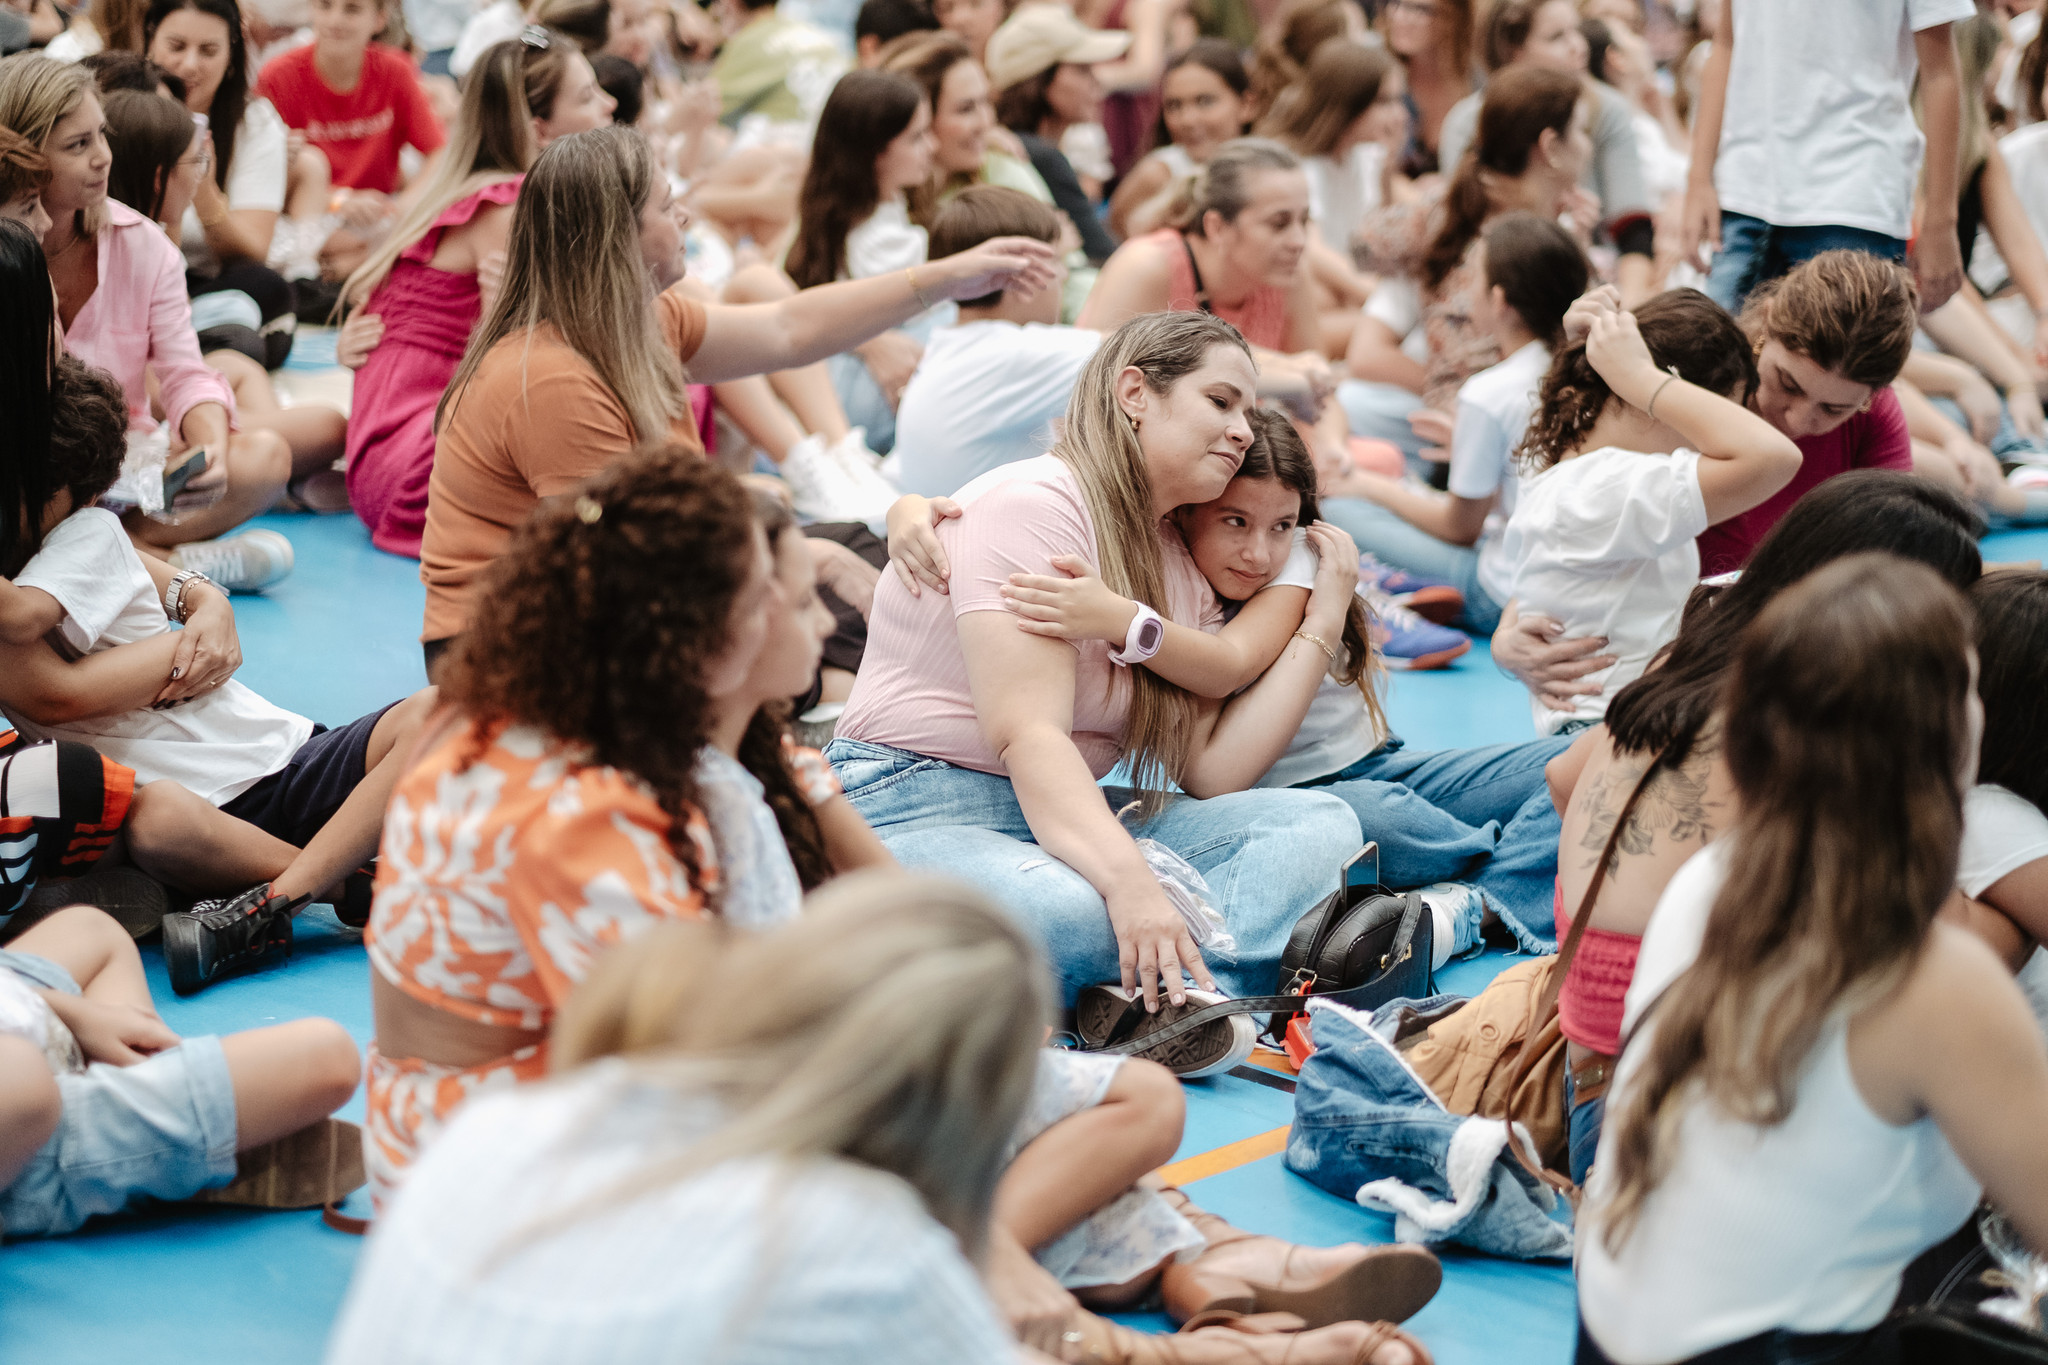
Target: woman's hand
pixel 120 1035
pixel 1079 606
pixel 851 578
pixel 1037 1307
pixel 891 358
pixel 1980 404
pixel 1981 470
pixel 1535 650
pixel 914 549
pixel 1336 585
pixel 1023 264
pixel 1154 950
pixel 1582 208
pixel 1578 319
pixel 1434 426
pixel 209 649
pixel 359 336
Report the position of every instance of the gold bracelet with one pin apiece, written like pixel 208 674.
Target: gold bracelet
pixel 1320 643
pixel 1651 410
pixel 910 274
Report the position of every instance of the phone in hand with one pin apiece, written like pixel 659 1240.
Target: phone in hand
pixel 176 479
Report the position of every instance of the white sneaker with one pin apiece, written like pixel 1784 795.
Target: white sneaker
pixel 1456 911
pixel 1215 1047
pixel 249 562
pixel 818 487
pixel 872 493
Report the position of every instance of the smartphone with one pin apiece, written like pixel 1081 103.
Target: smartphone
pixel 176 479
pixel 1364 867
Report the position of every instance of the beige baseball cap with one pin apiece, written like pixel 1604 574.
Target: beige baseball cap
pixel 1038 37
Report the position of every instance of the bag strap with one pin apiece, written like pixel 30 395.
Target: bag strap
pixel 1201 290
pixel 1119 1041
pixel 1545 1006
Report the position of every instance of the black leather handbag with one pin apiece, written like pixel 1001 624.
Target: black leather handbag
pixel 1361 946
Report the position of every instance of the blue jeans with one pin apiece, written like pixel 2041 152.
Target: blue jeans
pixel 1753 251
pixel 1478 815
pixel 1582 1132
pixel 1268 856
pixel 1381 411
pixel 1401 543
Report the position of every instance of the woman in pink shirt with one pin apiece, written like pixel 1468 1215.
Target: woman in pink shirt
pixel 975 748
pixel 121 298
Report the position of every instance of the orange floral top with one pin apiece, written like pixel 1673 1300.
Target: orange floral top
pixel 501 876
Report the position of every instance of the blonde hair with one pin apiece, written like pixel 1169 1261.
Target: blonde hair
pixel 1101 446
pixel 36 94
pixel 574 263
pixel 492 141
pixel 896 1024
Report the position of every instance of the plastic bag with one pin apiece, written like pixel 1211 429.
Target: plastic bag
pixel 1189 894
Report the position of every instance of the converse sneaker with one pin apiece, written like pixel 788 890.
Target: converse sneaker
pixel 249 562
pixel 1406 641
pixel 1430 598
pixel 862 468
pixel 231 934
pixel 1216 1046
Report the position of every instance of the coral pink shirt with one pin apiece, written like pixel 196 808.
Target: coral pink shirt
pixel 1589 1004
pixel 1261 317
pixel 912 691
pixel 140 316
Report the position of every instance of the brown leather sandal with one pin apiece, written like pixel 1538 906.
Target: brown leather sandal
pixel 1384 1284
pixel 319 1165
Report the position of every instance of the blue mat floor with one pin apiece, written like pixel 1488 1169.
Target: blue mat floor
pixel 338 639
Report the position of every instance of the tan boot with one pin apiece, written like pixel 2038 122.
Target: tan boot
pixel 1225 1338
pixel 1245 1272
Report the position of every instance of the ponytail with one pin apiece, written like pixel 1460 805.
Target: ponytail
pixel 1521 103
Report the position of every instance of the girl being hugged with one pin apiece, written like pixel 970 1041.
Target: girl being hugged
pixel 1806 1034
pixel 1642 440
pixel 419 295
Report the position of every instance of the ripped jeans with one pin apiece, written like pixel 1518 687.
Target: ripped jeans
pixel 1268 855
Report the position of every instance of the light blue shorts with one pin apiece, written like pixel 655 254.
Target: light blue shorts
pixel 163 1128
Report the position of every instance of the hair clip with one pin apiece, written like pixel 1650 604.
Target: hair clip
pixel 588 509
pixel 536 37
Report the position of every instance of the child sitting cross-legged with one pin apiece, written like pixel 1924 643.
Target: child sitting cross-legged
pixel 113 675
pixel 102 1105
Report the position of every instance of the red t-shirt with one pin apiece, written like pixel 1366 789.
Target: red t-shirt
pixel 362 130
pixel 1876 439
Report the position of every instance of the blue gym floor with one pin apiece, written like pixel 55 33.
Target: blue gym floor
pixel 337 639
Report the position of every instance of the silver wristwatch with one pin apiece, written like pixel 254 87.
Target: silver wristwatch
pixel 174 596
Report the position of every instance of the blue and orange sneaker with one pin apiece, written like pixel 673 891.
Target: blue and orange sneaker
pixel 1430 598
pixel 1405 640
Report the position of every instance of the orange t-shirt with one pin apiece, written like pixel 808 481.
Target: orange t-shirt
pixel 533 422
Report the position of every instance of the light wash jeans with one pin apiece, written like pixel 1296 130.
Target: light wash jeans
pixel 1268 855
pixel 1401 543
pixel 1380 411
pixel 1466 815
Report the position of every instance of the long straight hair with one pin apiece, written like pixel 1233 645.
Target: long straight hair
pixel 1341 82
pixel 1281 455
pixel 761 750
pixel 1845 725
pixel 510 86
pixel 27 362
pixel 37 94
pixel 231 100
pixel 1521 103
pixel 926 57
pixel 149 136
pixel 1101 447
pixel 896 1025
pixel 119 24
pixel 574 263
pixel 865 113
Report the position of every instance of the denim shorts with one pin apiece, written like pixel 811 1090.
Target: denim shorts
pixel 163 1128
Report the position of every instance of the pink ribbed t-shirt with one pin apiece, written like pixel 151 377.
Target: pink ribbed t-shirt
pixel 912 689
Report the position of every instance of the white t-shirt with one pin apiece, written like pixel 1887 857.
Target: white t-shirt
pixel 1819 125
pixel 985 394
pixel 2002 833
pixel 1603 542
pixel 751 1262
pixel 885 241
pixel 1493 411
pixel 256 179
pixel 1342 192
pixel 216 745
pixel 1337 729
pixel 1805 1225
pixel 1396 302
pixel 75 43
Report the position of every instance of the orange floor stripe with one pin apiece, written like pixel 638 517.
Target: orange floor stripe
pixel 1268 1060
pixel 1228 1157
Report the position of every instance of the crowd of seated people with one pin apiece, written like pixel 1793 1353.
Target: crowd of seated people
pixel 888 483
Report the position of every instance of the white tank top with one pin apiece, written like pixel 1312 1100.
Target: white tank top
pixel 1804 1226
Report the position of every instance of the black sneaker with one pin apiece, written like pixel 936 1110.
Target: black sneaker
pixel 358 889
pixel 231 934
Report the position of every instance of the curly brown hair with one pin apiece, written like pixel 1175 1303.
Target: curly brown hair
pixel 598 622
pixel 1846 311
pixel 1687 333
